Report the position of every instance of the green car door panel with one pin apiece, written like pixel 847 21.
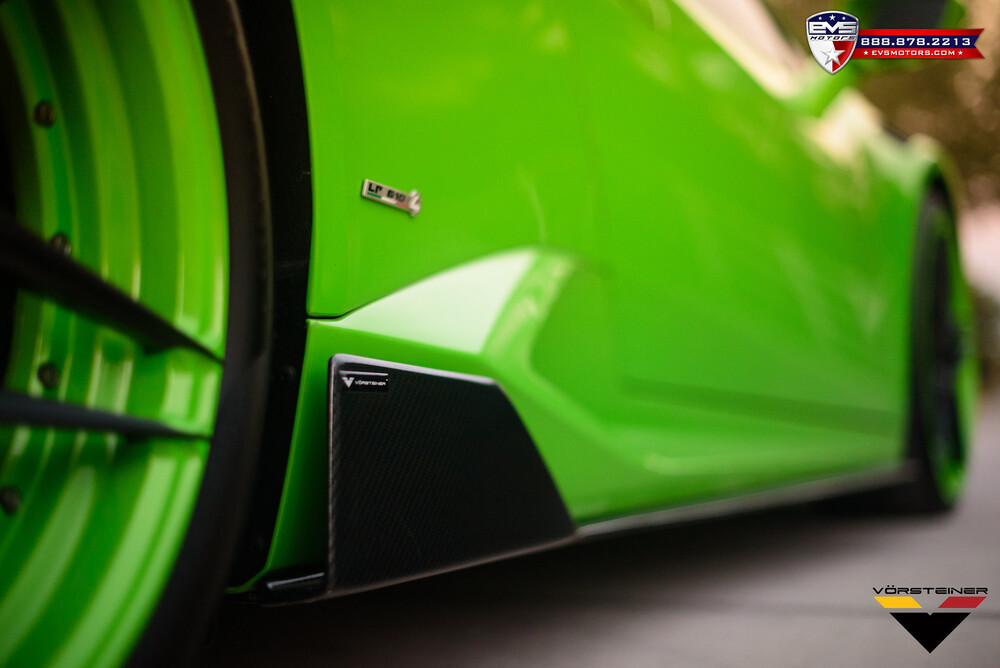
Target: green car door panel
pixel 688 288
pixel 788 263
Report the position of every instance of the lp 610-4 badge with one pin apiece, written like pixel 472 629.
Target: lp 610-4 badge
pixel 392 196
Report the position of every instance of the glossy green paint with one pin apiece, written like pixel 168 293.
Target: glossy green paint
pixel 689 286
pixel 472 104
pixel 131 172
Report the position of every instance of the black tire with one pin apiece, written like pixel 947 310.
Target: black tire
pixel 939 347
pixel 187 606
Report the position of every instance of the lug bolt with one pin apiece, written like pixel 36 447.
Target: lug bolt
pixel 60 242
pixel 45 114
pixel 48 375
pixel 10 499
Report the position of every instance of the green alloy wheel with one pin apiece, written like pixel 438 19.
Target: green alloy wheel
pixel 134 268
pixel 943 365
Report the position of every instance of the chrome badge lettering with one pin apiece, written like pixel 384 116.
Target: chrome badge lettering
pixel 392 196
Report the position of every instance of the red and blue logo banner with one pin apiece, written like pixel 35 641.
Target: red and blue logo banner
pixel 835 37
pixel 959 43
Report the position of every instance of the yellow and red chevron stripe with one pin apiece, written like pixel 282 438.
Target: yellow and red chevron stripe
pixel 895 602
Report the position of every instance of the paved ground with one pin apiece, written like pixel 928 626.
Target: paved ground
pixel 788 588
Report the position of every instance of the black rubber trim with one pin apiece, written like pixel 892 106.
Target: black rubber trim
pixel 291 585
pixel 20 409
pixel 274 52
pixel 34 265
pixel 195 586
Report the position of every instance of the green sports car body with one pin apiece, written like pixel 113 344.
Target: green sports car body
pixel 636 268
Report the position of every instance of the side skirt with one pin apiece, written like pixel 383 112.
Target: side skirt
pixel 783 496
pixel 431 471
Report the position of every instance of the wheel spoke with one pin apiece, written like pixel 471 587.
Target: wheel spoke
pixel 20 409
pixel 41 268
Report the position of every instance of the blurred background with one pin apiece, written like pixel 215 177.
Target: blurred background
pixel 957 102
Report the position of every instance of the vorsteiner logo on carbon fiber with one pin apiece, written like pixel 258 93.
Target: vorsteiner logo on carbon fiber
pixel 930 628
pixel 365 381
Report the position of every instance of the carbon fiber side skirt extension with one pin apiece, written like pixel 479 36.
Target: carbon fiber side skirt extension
pixel 428 471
